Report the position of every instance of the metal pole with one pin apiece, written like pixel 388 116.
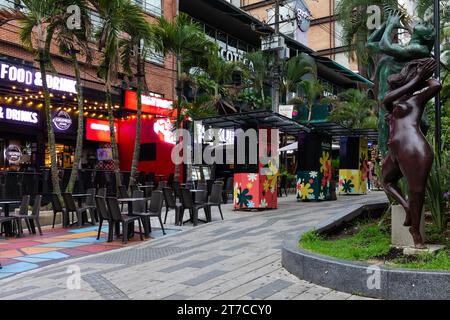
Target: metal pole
pixel 437 55
pixel 276 71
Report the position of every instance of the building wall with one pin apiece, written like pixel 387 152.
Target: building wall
pixel 323 35
pixel 160 78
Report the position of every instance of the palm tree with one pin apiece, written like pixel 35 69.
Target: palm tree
pixel 293 71
pixel 257 66
pixel 137 45
pixel 352 16
pixel 184 39
pixel 38 20
pixel 119 16
pixel 310 92
pixel 355 110
pixel 72 42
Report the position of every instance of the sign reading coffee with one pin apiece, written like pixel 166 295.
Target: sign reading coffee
pixel 19 116
pixel 30 77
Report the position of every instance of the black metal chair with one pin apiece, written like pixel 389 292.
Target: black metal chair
pixel 123 193
pixel 117 217
pixel 80 212
pixel 33 217
pixel 90 202
pixel 162 185
pixel 201 197
pixel 104 215
pixel 140 210
pixel 155 209
pixel 102 192
pixel 215 200
pixel 14 223
pixel 188 203
pixel 151 178
pixel 58 208
pixel 171 203
pixel 177 189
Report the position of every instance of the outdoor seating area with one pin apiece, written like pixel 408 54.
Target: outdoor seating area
pixel 120 214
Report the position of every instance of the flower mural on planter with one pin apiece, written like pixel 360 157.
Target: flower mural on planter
pixel 244 198
pixel 324 160
pixel 252 177
pixel 236 192
pixel 263 203
pixel 313 174
pixel 305 191
pixel 347 186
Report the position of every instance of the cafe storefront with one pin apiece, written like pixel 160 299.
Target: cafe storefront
pixel 23 125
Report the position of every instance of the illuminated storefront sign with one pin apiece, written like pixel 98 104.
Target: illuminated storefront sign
pixel 164 129
pixel 98 130
pixel 30 77
pixel 152 105
pixel 18 116
pixel 13 154
pixel 62 121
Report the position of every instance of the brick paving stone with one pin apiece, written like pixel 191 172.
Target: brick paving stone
pixel 238 258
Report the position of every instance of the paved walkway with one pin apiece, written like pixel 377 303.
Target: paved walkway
pixel 238 258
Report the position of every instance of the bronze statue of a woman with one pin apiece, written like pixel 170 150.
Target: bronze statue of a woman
pixel 409 153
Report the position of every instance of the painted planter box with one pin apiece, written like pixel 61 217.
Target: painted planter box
pixel 315 170
pixel 354 169
pixel 256 186
pixel 255 191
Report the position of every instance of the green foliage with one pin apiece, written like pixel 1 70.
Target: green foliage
pixel 438 184
pixel 202 106
pixel 249 97
pixel 354 110
pixel 256 69
pixel 371 241
pixel 353 16
pixel 310 91
pixel 293 71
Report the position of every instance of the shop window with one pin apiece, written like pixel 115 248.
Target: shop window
pixel 154 56
pixel 64 156
pixel 153 7
pixel 96 21
pixel 148 152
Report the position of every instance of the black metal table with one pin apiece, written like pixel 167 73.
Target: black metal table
pixel 5 204
pixel 146 188
pixel 129 202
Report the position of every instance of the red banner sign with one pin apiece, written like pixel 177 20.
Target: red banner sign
pixel 98 130
pixel 151 105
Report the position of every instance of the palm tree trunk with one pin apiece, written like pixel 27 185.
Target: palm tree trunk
pixel 310 113
pixel 48 116
pixel 137 140
pixel 179 89
pixel 115 150
pixel 80 129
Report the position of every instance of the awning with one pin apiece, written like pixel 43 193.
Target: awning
pixel 294 146
pixel 265 118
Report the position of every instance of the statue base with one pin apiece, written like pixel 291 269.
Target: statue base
pixel 400 235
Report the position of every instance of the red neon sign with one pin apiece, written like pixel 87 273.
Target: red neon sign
pixel 152 105
pixel 98 130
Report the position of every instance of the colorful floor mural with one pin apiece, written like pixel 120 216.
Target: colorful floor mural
pixel 33 251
